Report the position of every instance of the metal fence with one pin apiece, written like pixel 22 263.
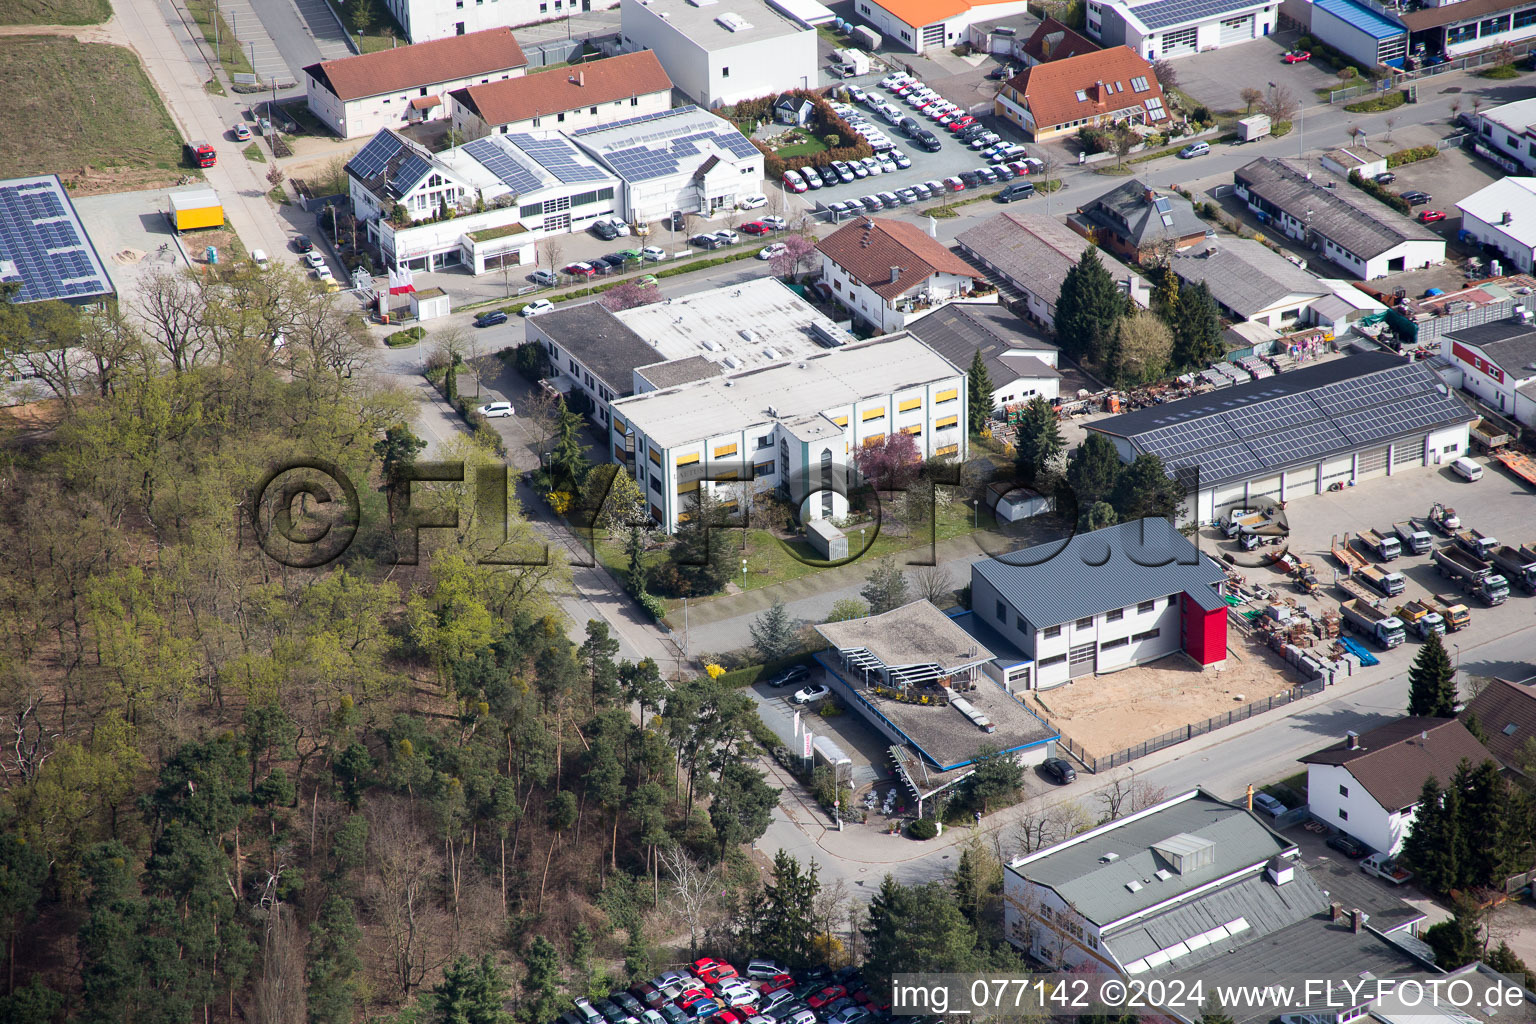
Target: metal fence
pixel 1189 732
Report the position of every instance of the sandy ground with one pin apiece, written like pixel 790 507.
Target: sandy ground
pixel 1111 712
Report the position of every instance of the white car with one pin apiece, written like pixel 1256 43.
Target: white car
pixel 536 307
pixel 495 410
pixel 811 694
pixel 323 273
pixel 314 259
pixel 752 201
pixel 768 252
pixel 259 257
pixel 856 94
pixel 653 253
pixel 727 236
pixel 775 222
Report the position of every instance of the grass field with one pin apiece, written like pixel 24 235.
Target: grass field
pixel 87 112
pixel 54 12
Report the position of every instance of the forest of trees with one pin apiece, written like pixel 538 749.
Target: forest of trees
pixel 233 789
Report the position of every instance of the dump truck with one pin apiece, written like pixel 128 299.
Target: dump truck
pixel 1385 546
pixel 1388 584
pixel 199 209
pixel 1444 518
pixel 1412 537
pixel 1518 565
pixel 1381 626
pixel 1489 434
pixel 201 154
pixel 1472 574
pixel 1346 555
pixel 1457 615
pixel 1475 543
pixel 1518 463
pixel 1420 619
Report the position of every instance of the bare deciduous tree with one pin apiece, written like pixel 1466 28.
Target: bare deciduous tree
pixel 414 929
pixel 932 583
pixel 1042 825
pixel 1124 795
pixel 173 309
pixel 540 416
pixel 1279 104
pixel 278 995
pixel 693 892
pixel 551 249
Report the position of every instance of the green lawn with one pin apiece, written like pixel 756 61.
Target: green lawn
pixel 84 107
pixel 381 31
pixel 809 147
pixel 54 12
pixel 254 154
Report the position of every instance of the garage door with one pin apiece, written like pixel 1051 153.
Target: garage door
pixel 1337 472
pixel 1300 481
pixel 1230 495
pixel 1372 462
pixel 933 35
pixel 1269 487
pixel 1236 30
pixel 1080 660
pixel 1179 43
pixel 1408 453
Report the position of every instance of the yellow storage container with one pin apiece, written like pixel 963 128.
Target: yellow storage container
pixel 199 209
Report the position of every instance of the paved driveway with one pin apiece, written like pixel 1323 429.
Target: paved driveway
pixel 1218 77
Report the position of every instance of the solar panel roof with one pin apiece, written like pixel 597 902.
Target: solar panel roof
pixel 513 172
pixel 1272 424
pixel 1162 13
pixel 661 144
pixel 43 246
pixel 372 158
pixel 558 157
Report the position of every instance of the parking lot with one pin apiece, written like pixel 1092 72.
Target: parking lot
pixel 1217 77
pixel 952 158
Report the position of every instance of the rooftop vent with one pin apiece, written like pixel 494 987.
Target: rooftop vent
pixel 771 353
pixel 1352 740
pixel 895 274
pixel 1109 858
pixel 1163 874
pixel 1133 885
pixel 732 362
pixel 1506 217
pixel 1187 853
pixel 1280 870
pixel 747 334
pixel 732 22
pixel 773 411
pixel 712 344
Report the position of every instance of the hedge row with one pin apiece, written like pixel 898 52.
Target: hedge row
pixel 1370 185
pixel 824 122
pixel 1381 101
pixel 409 336
pixel 754 673
pixel 1411 156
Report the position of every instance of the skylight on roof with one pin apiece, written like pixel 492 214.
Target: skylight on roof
pixel 1139 83
pixel 1082 97
pixel 1511 729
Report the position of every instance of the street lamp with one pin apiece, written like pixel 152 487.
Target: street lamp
pixel 975 512
pixel 861 540
pixel 743 572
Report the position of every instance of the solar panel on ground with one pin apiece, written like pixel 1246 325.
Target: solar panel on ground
pixel 372 158
pixel 43 241
pixel 512 173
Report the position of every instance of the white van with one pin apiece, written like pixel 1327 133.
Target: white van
pixel 1467 469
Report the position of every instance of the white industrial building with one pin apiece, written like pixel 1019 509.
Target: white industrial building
pixel 1502 216
pixel 503 192
pixel 682 160
pixel 919 25
pixel 1368 783
pixel 1509 129
pixel 1341 421
pixel 440 19
pixel 357 96
pixel 1020 363
pixel 791 426
pixel 720 52
pixel 593 93
pixel 1165 29
pixel 1498 364
pixel 1344 224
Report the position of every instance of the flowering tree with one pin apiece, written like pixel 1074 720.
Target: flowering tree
pixel 629 295
pixel 889 464
pixel 798 252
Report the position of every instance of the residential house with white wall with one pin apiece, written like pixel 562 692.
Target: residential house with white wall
pixel 360 95
pixel 594 93
pixel 887 272
pixel 1509 129
pixel 1343 224
pixel 1020 363
pixel 425 20
pixel 1368 784
pixel 1087 90
pixel 922 25
pixel 1498 364
pixel 720 52
pixel 1166 29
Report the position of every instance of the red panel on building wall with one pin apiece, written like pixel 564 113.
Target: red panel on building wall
pixel 1477 361
pixel 1204 633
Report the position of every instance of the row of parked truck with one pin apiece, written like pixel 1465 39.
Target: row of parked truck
pixel 1478 564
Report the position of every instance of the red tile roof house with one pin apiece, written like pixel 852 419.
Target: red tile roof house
pixel 357 96
pixel 887 273
pixel 1054 41
pixel 597 92
pixel 1061 96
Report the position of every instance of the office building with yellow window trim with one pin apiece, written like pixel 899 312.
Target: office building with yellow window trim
pixel 791 427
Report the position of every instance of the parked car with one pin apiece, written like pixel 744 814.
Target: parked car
pixel 1296 56
pixel 751 201
pixel 1194 149
pixel 1000 73
pixel 259 257
pixel 755 227
pixel 704 242
pixel 672 1014
pixel 627 1001
pixel 871 204
pixel 971 179
pixel 536 307
pixel 921 191
pixel 927 140
pixel 963 121
pixel 578 270
pixel 956 183
pixel 490 318
pixel 856 94
pixel 302 244
pixel 1268 804
pixel 768 252
pixel 586 1010
pixel 727 236
pixel 775 990
pixel 811 694
pixel 1060 769
pixel 313 258
pixel 611 1012
pixel 653 253
pixel 617 260
pixel 605 230
pixel 242 132
pixel 1347 845
pixel 776 222
pixel 323 273
pixel 544 278
pixel 794 182
pixel 1415 197
pixel 907 196
pixel 825 996
pixel 1385 178
pixel 1016 190
pixel 844 172
pixel 902 160
pixel 1430 216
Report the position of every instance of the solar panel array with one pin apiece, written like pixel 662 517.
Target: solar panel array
pixel 409 173
pixel 513 174
pixel 1230 443
pixel 640 155
pixel 43 247
pixel 375 156
pixel 639 119
pixel 558 157
pixel 1163 13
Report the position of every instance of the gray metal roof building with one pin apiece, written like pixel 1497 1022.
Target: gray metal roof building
pixel 1117 567
pixel 1245 276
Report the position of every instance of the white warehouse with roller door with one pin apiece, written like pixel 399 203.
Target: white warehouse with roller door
pixel 1338 422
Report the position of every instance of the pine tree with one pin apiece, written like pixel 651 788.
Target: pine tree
pixel 773 634
pixel 1037 441
pixel 978 394
pixel 1432 681
pixel 996 777
pixel 1088 307
pixel 334 965
pixel 1145 490
pixel 883 943
pixel 787 923
pixel 1488 827
pixel 1457 942
pixel 582 948
pixel 886 587
pixel 1197 329
pixel 637 955
pixel 541 982
pixel 1165 295
pixel 1093 470
pixel 470 993
pixel 703 552
pixel 976 880
pixel 568 461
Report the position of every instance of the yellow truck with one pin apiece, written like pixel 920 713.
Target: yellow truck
pixel 198 209
pixel 1421 619
pixel 1456 614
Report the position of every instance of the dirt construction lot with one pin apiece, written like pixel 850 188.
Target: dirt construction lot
pixel 1107 713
